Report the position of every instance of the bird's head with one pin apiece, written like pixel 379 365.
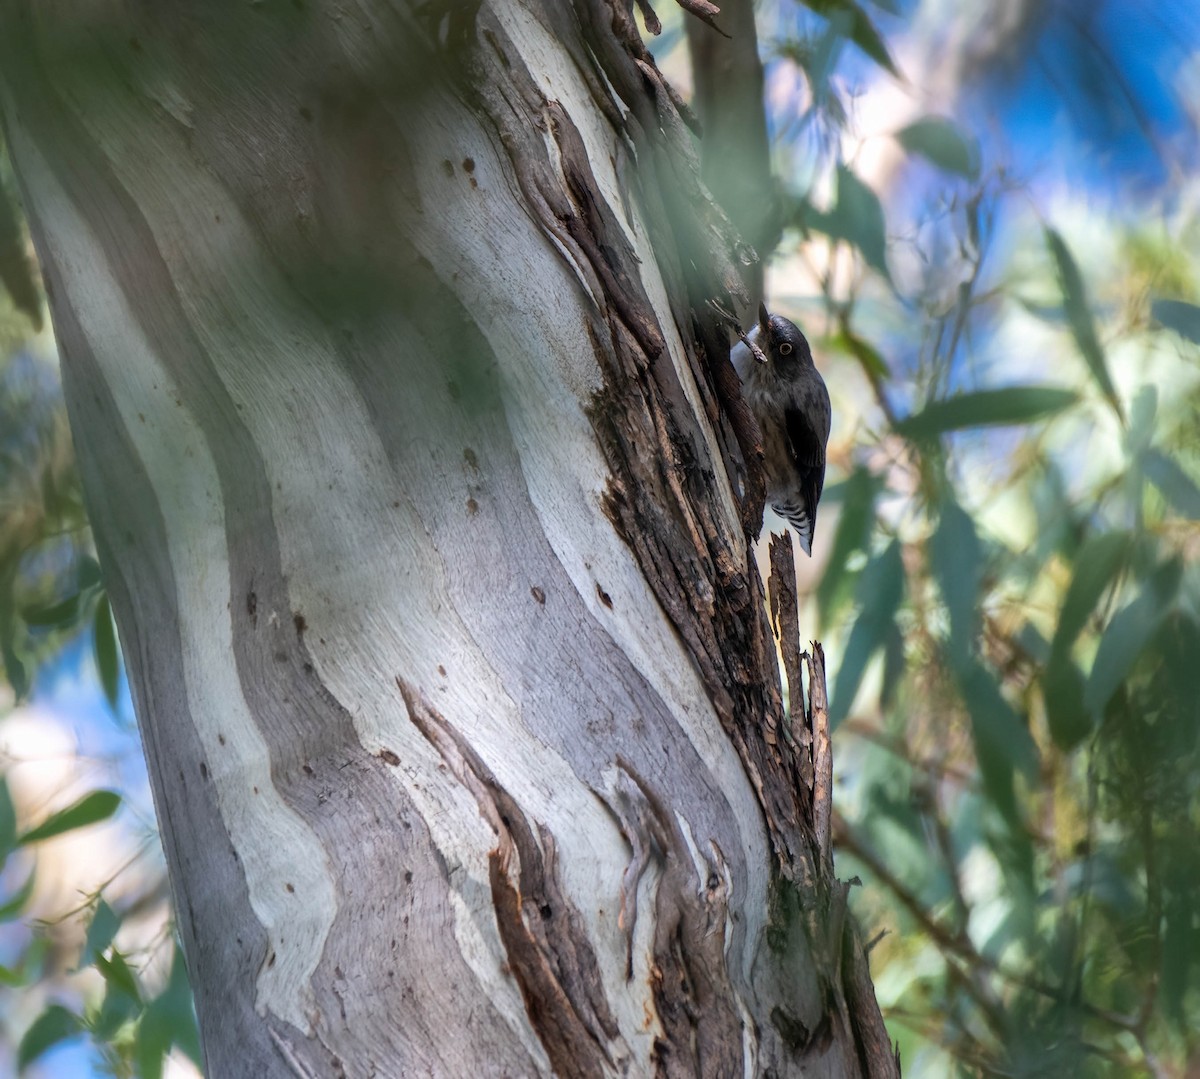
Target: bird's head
pixel 781 344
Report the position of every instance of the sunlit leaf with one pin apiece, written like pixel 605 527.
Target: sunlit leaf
pixel 1183 318
pixel 1080 316
pixel 105 643
pixel 12 977
pixel 54 1025
pixel 879 590
pixel 987 408
pixel 942 143
pixel 90 809
pixel 1176 485
pixel 152 1044
pixel 169 1020
pixel 1130 630
pixel 1096 565
pixel 177 1005
pixel 853 532
pixel 861 30
pixel 103 928
pixel 117 1009
pixel 115 971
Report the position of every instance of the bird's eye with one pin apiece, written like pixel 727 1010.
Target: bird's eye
pixel 785 349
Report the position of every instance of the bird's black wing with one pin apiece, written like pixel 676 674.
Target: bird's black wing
pixel 808 453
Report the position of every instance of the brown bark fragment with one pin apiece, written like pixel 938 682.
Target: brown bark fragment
pixel 781 589
pixel 692 993
pixel 546 944
pixel 822 749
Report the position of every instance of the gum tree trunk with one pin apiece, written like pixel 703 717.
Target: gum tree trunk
pixel 408 434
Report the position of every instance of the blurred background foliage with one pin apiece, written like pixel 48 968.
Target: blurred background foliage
pixel 990 230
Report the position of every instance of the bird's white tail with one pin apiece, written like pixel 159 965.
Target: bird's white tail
pixel 796 514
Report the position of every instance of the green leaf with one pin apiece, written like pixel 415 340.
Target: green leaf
pixel 1178 956
pixel 88 572
pixel 152 1044
pixel 101 931
pixel 54 1025
pixel 16 272
pixel 893 665
pixel 117 1009
pixel 941 142
pixel 105 642
pixel 1002 741
pixel 1062 691
pixel 999 731
pixel 15 906
pixel 853 532
pixel 91 808
pixel 117 975
pixel 55 614
pixel 1175 484
pixel 867 355
pixel 13 977
pixel 860 29
pixel 169 1020
pixel 957 562
pixel 987 408
pixel 856 217
pixel 1142 411
pixel 879 590
pixel 1096 565
pixel 861 215
pixel 1128 634
pixel 14 671
pixel 1080 316
pixel 1183 318
pixel 8 821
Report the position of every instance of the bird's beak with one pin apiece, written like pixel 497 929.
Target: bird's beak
pixel 748 341
pixel 760 332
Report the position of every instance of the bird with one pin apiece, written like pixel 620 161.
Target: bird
pixel 787 395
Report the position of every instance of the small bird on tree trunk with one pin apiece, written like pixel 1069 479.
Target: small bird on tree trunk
pixel 787 395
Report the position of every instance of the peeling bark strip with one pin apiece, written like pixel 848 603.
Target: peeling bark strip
pixel 696 1003
pixel 704 579
pixel 822 752
pixel 781 589
pixel 549 954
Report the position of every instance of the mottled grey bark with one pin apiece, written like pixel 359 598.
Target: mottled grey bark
pixel 408 437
